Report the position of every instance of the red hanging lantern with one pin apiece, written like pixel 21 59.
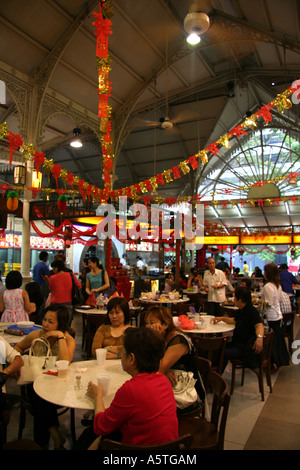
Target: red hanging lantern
pixel 62 203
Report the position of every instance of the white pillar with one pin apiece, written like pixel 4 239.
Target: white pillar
pixel 25 250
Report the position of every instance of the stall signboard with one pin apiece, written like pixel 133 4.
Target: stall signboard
pixel 36 243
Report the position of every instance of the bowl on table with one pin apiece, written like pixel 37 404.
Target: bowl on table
pixel 25 325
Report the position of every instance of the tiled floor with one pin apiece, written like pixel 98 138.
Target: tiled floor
pixel 251 424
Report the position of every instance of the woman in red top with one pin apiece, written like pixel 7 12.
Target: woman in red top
pixel 60 285
pixel 144 408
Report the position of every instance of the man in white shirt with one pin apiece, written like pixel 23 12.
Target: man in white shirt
pixel 214 281
pixel 11 356
pixel 139 263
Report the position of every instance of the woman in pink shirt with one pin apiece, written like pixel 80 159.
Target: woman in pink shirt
pixel 60 285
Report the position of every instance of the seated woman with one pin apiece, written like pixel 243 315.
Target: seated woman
pixel 195 279
pixel 143 410
pixel 169 282
pixel 111 335
pixel 179 352
pixel 14 301
pixel 55 330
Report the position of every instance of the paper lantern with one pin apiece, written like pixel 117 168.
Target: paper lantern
pixel 62 203
pixel 12 200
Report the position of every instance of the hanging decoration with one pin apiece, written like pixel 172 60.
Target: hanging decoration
pixel 14 142
pixel 102 25
pixel 62 203
pixel 12 201
pixel 79 186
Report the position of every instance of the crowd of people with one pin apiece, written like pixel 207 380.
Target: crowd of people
pixel 152 354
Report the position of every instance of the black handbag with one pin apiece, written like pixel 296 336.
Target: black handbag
pixel 77 295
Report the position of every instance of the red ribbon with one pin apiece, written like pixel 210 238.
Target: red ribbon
pixel 39 158
pixel 193 162
pixel 56 169
pixel 14 142
pixel 176 172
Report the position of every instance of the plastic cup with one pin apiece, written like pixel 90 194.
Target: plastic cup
pixel 101 356
pixel 62 368
pixel 104 381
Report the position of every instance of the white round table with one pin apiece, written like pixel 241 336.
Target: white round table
pixel 62 392
pixel 87 311
pixel 164 301
pixel 11 339
pixel 217 329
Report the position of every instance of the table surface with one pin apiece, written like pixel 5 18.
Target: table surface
pixel 88 311
pixel 211 328
pixel 166 301
pixel 11 339
pixel 61 391
pixel 188 292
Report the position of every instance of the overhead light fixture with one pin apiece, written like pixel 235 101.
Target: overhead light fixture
pixel 76 142
pixel 37 179
pixel 195 23
pixel 193 39
pixel 20 175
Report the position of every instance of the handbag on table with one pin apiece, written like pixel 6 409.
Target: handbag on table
pixel 36 365
pixel 185 392
pixel 91 300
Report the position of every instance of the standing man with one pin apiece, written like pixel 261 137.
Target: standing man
pixel 41 273
pixel 287 279
pixel 214 282
pixel 246 269
pixel 41 269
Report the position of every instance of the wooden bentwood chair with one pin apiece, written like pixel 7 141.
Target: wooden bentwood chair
pixel 288 328
pixel 264 365
pixel 209 435
pixel 212 349
pixel 93 321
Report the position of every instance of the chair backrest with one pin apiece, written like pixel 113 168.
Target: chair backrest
pixel 288 321
pixel 221 400
pixel 203 366
pixel 93 321
pixel 182 309
pixel 212 349
pixel 267 348
pixel 182 443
